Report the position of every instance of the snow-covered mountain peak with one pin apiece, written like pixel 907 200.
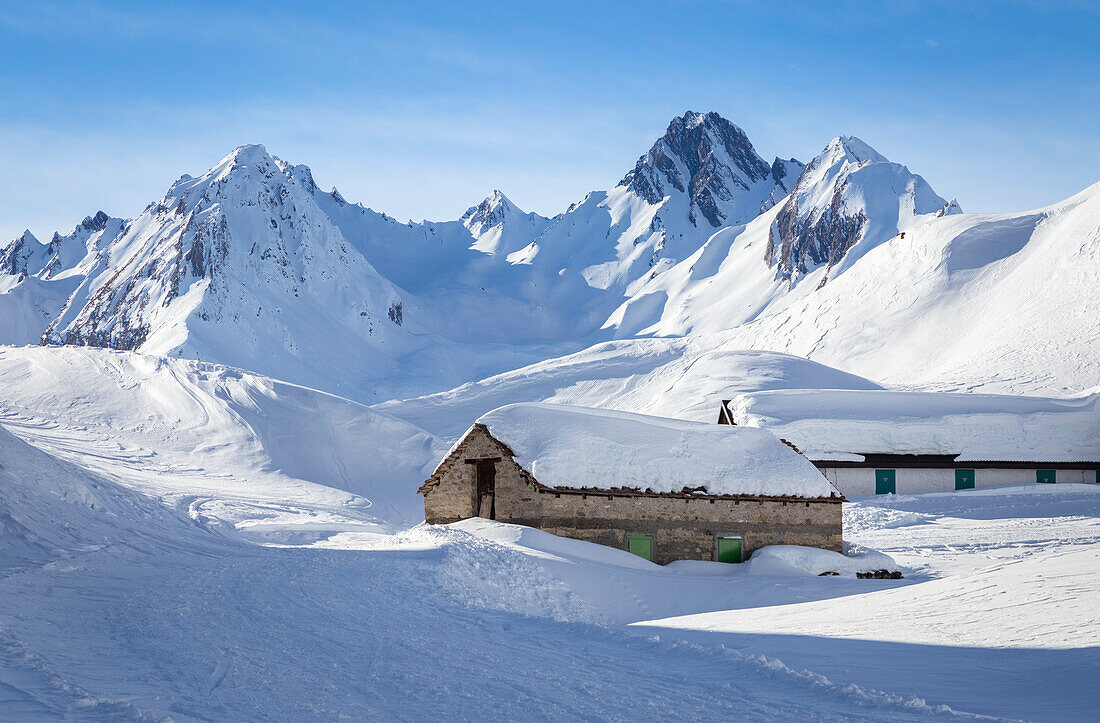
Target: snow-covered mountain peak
pixel 15 255
pixel 244 162
pixel 710 160
pixel 230 264
pixel 848 148
pixel 98 222
pixel 848 194
pixel 490 212
pixel 248 154
pixel 500 226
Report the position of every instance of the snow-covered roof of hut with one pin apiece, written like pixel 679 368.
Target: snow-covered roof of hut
pixel 578 447
pixel 834 424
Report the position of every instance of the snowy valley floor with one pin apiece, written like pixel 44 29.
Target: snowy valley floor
pixel 996 617
pixel 188 542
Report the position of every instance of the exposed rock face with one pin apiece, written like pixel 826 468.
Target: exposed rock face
pixel 705 156
pixel 785 174
pixel 949 209
pixel 848 191
pixel 95 223
pixel 493 211
pixel 14 256
pixel 823 239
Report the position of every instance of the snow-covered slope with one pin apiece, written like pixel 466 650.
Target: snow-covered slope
pixel 939 299
pixel 681 378
pixel 50 509
pixel 217 442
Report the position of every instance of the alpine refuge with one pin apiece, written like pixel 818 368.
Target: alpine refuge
pixel 883 441
pixel 663 489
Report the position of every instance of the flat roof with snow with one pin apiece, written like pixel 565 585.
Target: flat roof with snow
pixel 579 448
pixel 844 425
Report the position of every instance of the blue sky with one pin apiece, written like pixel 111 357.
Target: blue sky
pixel 420 109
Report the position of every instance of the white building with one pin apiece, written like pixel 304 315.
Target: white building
pixel 876 441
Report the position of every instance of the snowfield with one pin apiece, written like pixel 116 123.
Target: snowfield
pixel 184 540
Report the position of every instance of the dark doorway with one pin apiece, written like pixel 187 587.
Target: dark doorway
pixel 486 470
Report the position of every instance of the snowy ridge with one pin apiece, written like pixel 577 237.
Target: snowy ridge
pixel 944 303
pixel 218 444
pixel 845 261
pixel 702 174
pixel 577 447
pixel 681 378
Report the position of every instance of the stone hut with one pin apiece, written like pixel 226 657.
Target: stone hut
pixel 661 488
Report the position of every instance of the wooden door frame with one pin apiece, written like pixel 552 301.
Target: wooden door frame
pixel 485 489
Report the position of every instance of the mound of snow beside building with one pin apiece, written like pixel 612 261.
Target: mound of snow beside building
pixel 576 447
pixel 835 424
pixel 785 559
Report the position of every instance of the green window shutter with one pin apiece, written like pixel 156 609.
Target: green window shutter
pixel 640 545
pixel 964 479
pixel 1046 476
pixel 885 482
pixel 729 549
pixel 1098 476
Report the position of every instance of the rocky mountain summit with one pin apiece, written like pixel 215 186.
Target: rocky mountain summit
pixel 849 193
pixel 713 162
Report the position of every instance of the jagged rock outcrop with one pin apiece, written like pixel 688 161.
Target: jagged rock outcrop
pixel 848 194
pixel 499 227
pixel 710 160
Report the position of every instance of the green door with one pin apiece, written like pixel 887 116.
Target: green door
pixel 1045 476
pixel 1098 476
pixel 729 549
pixel 884 482
pixel 964 479
pixel 640 545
